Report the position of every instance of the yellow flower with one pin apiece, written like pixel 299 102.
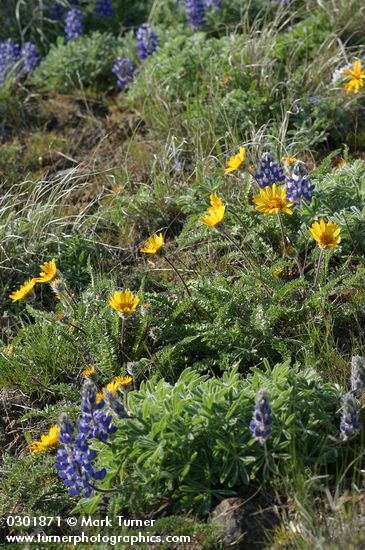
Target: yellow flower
pixel 215 212
pixel 226 80
pixel 235 162
pixel 278 272
pixel 341 163
pixel 8 350
pixel 326 234
pixel 48 273
pixel 46 441
pixel 153 245
pixel 117 190
pixel 272 200
pixel 99 397
pixel 124 302
pixel 89 372
pixel 24 291
pixel 114 385
pixel 355 78
pixel 290 160
pixel 118 382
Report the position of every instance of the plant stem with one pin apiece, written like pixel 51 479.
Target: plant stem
pixel 122 339
pixel 185 286
pixel 318 268
pixel 252 266
pixel 179 275
pixel 282 233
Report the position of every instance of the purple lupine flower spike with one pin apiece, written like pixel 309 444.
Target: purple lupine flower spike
pixel 114 405
pixel 104 8
pixel 30 58
pixel 9 55
pixel 74 461
pixel 124 70
pixel 57 12
pixel 269 172
pixel 357 374
pixel 350 418
pixel 195 13
pixel 147 41
pixel 74 24
pixel 94 422
pixel 260 424
pixel 298 184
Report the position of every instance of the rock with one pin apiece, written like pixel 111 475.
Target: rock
pixel 228 516
pixel 242 523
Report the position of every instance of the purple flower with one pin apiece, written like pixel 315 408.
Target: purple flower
pixel 95 422
pixel 74 461
pixel 57 12
pixel 269 172
pixel 299 185
pixel 114 405
pixel 104 8
pixel 124 70
pixel 9 55
pixel 73 24
pixel 260 424
pixel 357 374
pixel 30 58
pixel 350 418
pixel 147 41
pixel 195 13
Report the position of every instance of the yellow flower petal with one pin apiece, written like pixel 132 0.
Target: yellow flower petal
pixel 124 302
pixel 272 200
pixel 236 162
pixel 46 441
pixel 153 245
pixel 24 290
pixel 48 273
pixel 326 234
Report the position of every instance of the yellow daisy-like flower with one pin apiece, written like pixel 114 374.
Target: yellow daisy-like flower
pixel 355 78
pixel 327 234
pixel 47 441
pixel 235 162
pixel 272 200
pixel 89 372
pixel 119 382
pixel 24 291
pixel 290 160
pixel 153 245
pixel 215 212
pixel 278 272
pixel 124 302
pixel 114 385
pixel 48 273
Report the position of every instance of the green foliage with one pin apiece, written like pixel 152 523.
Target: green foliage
pixel 57 347
pixel 82 63
pixel 41 493
pixel 190 442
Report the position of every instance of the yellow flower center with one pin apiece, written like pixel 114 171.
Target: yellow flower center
pixel 275 203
